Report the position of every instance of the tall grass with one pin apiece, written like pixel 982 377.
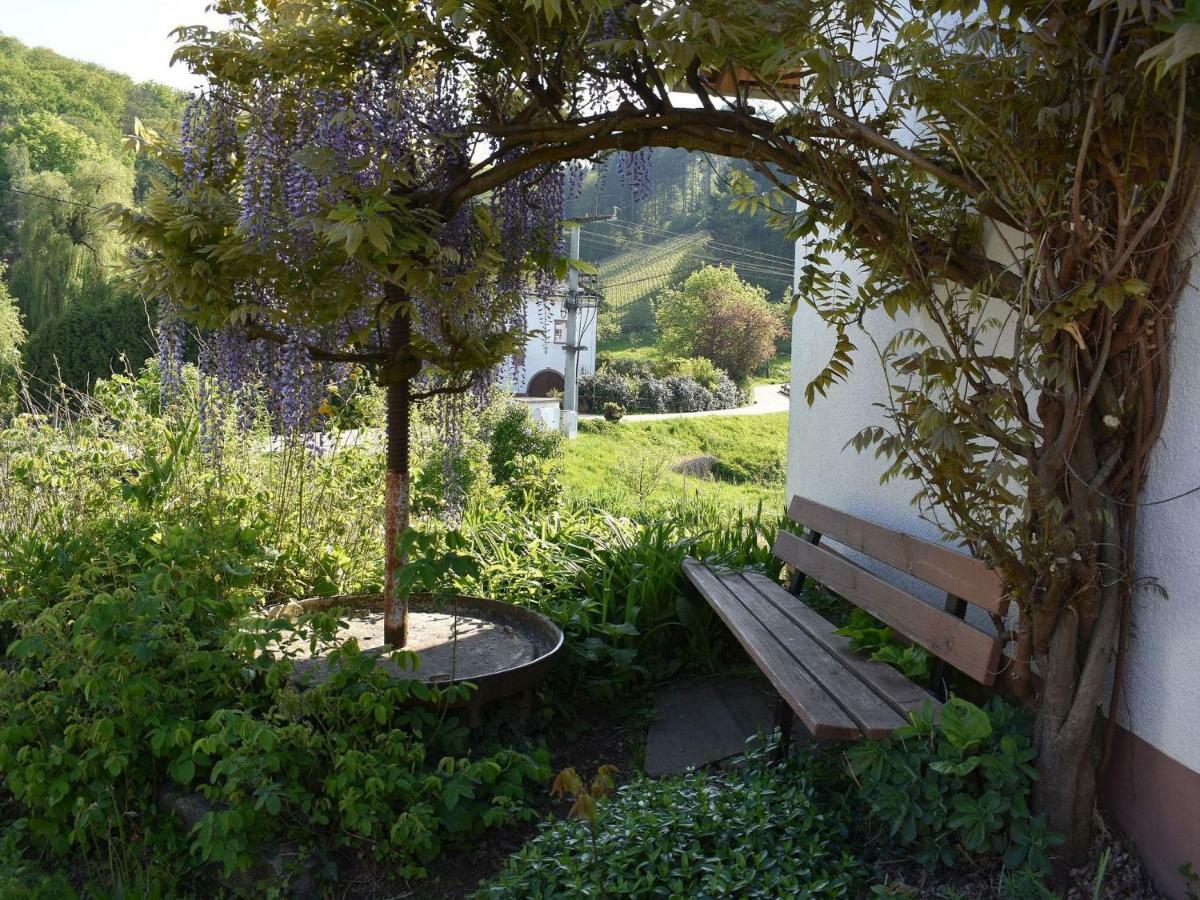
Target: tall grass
pixel 615 583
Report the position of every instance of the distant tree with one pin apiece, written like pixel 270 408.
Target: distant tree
pixel 101 334
pixel 64 251
pixel 717 316
pixel 12 336
pixel 51 143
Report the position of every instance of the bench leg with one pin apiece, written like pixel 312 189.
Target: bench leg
pixel 785 718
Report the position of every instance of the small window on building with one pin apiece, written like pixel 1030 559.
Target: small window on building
pixel 560 331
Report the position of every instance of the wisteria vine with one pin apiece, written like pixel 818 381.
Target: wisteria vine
pixel 292 154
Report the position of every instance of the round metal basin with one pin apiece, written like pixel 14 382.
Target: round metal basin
pixel 499 648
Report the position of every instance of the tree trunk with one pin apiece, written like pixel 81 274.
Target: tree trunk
pixel 395 620
pixel 1074 649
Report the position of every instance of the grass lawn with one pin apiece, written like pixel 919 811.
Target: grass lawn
pixel 627 466
pixel 777 371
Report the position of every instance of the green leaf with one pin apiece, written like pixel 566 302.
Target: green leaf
pixel 964 724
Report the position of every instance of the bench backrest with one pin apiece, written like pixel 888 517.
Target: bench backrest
pixel 964 578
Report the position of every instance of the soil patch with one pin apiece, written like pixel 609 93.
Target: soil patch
pixel 450 646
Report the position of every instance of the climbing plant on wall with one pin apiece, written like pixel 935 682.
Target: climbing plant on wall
pixel 1012 181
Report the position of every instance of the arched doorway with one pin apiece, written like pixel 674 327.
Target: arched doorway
pixel 545 381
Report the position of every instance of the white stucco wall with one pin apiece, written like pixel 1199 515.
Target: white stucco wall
pixel 820 465
pixel 542 352
pixel 1162 687
pixel 1162 697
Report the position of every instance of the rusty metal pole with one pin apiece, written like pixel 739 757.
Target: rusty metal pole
pixel 396 435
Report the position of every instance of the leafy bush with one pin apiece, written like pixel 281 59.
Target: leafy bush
pixel 606 386
pixel 717 316
pixel 615 585
pixel 697 368
pixel 687 395
pixel 639 384
pixel 726 393
pixel 870 636
pixel 133 668
pixel 12 336
pixel 654 396
pixel 959 787
pixel 446 477
pixel 614 412
pixel 533 486
pixel 90 340
pixel 511 433
pixel 759 831
pixel 356 401
pixel 635 367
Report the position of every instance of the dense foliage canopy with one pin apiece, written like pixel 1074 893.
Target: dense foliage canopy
pixel 717 316
pixel 986 167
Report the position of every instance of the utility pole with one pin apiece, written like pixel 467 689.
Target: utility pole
pixel 569 420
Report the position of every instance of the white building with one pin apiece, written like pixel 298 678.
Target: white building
pixel 541 370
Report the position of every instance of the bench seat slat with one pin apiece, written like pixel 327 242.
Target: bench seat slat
pixel 956 573
pixel 819 713
pixel 870 712
pixel 901 694
pixel 963 646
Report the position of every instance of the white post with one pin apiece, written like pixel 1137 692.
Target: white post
pixel 570 403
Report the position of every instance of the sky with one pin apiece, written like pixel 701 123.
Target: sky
pixel 130 36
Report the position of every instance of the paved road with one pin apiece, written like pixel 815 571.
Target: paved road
pixel 767 399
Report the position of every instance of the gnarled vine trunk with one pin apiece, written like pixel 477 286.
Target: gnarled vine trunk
pixel 397 380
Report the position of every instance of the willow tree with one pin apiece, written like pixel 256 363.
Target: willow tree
pixel 302 232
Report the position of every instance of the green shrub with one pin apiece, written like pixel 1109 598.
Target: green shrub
pixel 703 371
pixel 532 486
pixel 613 412
pixel 90 340
pixel 960 787
pixel 357 401
pixel 759 831
pixel 12 337
pixel 133 667
pixel 870 636
pixel 448 477
pixel 616 585
pixel 511 434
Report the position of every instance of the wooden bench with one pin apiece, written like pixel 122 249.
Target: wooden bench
pixel 838 693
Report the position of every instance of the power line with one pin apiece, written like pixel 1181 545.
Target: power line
pixel 774 257
pixel 718 259
pixel 753 267
pixel 662 232
pixel 616 284
pixel 13 190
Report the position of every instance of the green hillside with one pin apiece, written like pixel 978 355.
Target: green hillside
pixel 630 280
pixel 655 238
pixel 62 124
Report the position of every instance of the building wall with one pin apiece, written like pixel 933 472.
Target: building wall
pixel 1152 785
pixel 543 352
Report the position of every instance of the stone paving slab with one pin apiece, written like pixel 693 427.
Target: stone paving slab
pixel 697 723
